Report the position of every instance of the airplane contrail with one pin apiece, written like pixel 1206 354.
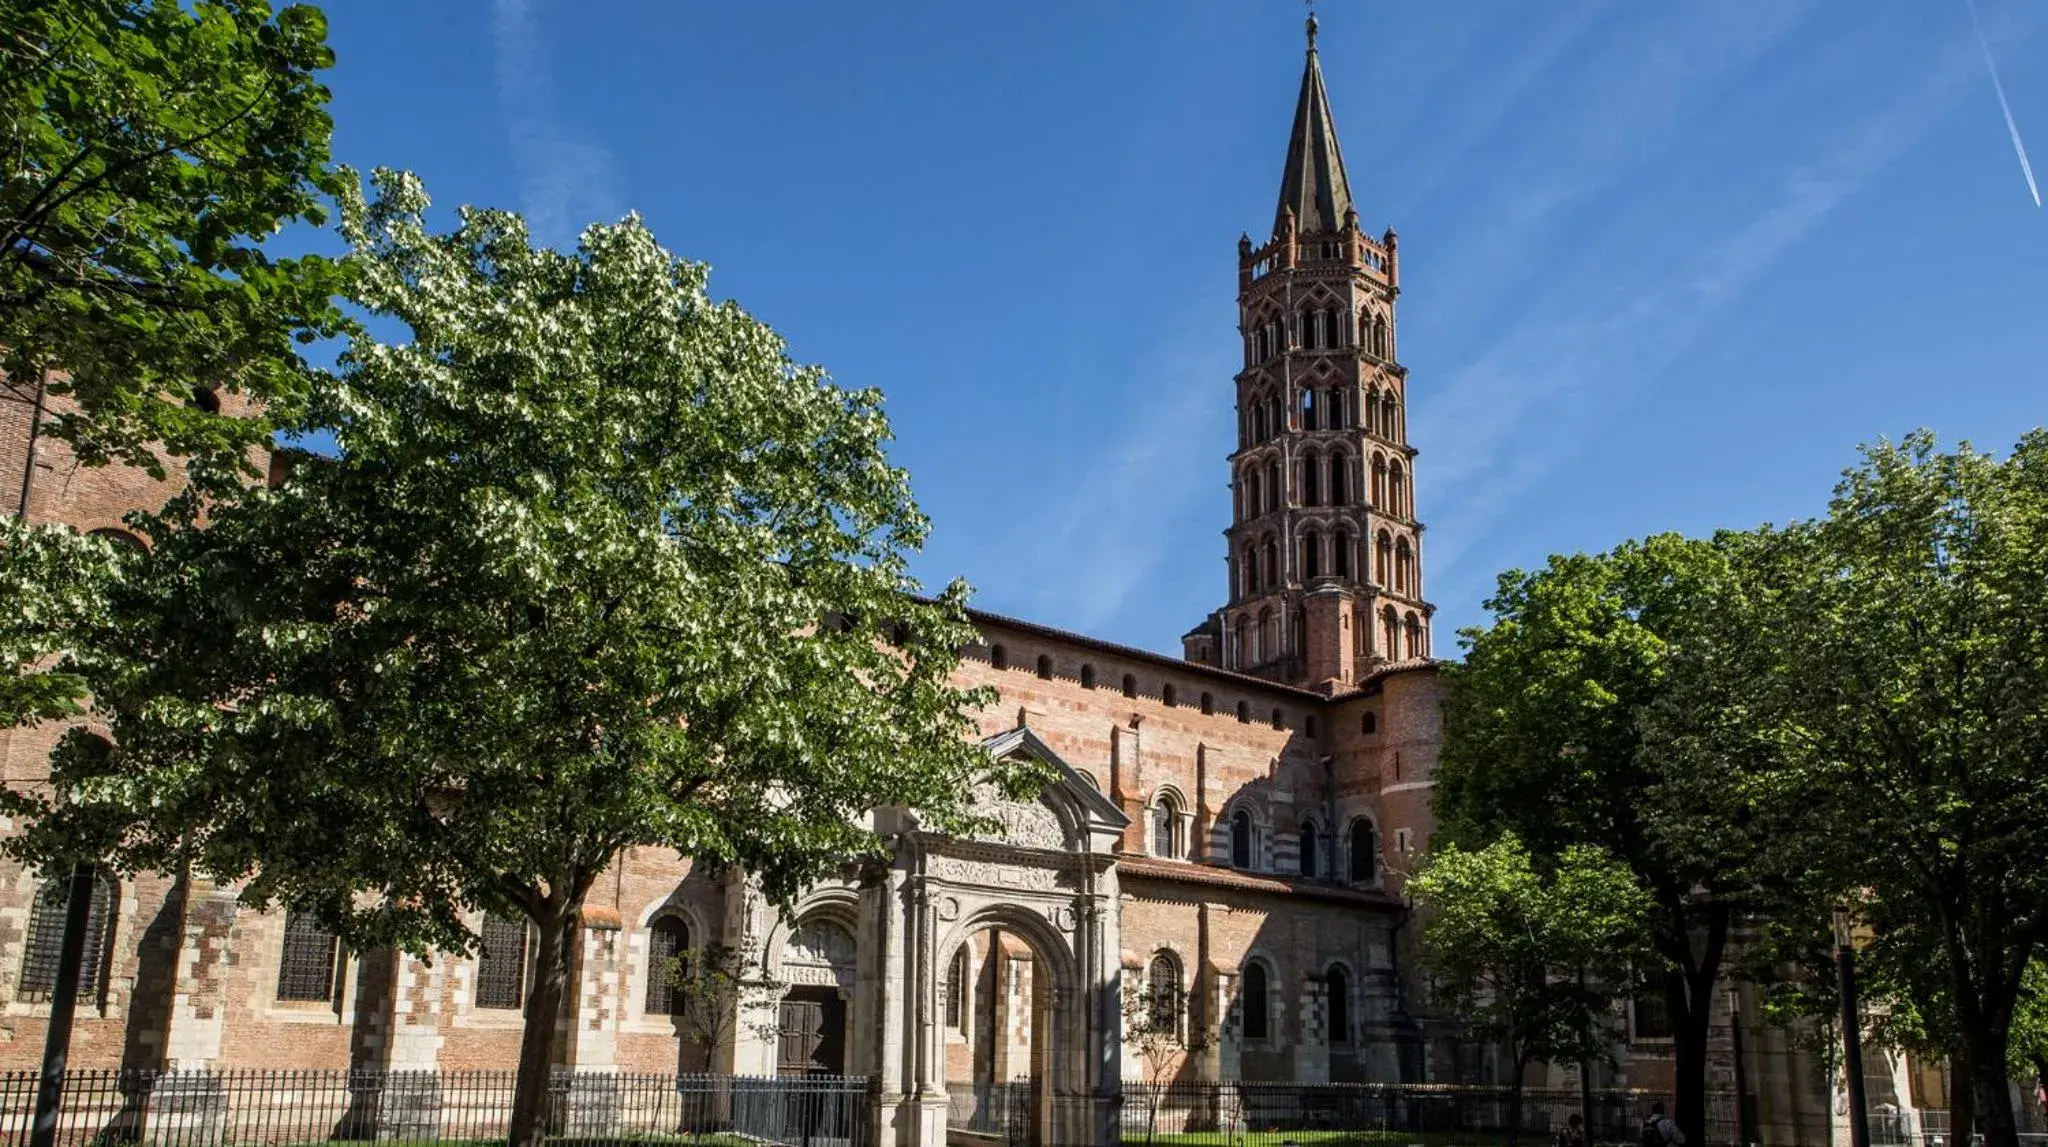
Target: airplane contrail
pixel 2020 149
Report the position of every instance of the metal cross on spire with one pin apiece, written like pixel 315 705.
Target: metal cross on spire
pixel 1311 24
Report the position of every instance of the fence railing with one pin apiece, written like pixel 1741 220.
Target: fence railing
pixel 1207 1114
pixel 225 1108
pixel 1003 1111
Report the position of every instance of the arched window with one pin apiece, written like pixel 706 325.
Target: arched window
pixel 1397 490
pixel 1044 667
pixel 1308 410
pixel 1311 482
pixel 1162 983
pixel 501 964
pixel 1269 637
pixel 1275 495
pixel 1383 558
pixel 1087 677
pixel 305 966
pixel 1166 827
pixel 1239 655
pixel 1250 506
pixel 1252 995
pixel 1241 838
pixel 46 940
pixel 1244 713
pixel 1130 685
pixel 1338 986
pixel 1340 554
pixel 1379 481
pixel 956 989
pixel 1168 696
pixel 1390 629
pixel 998 658
pixel 1270 567
pixel 1311 848
pixel 1340 479
pixel 1364 852
pixel 1404 567
pixel 1312 554
pixel 1209 702
pixel 1397 428
pixel 1370 723
pixel 1414 627
pixel 1279 719
pixel 668 938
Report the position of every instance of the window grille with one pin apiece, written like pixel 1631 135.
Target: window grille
pixel 46 940
pixel 956 989
pixel 305 967
pixel 501 965
pixel 667 940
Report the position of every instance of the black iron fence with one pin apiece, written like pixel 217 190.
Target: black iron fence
pixel 1001 1112
pixel 209 1108
pixel 1203 1114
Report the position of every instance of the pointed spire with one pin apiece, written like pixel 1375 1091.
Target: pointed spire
pixel 1313 186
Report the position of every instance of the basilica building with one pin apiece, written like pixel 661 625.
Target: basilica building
pixel 1228 833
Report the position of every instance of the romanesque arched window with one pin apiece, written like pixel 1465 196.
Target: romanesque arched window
pixel 1209 701
pixel 1397 426
pixel 1044 667
pixel 1404 567
pixel 668 939
pixel 1312 554
pixel 1244 712
pixel 1269 638
pixel 1279 719
pixel 46 940
pixel 1379 480
pixel 1239 655
pixel 1130 685
pixel 1087 677
pixel 1383 559
pixel 1337 986
pixel 1308 410
pixel 1414 627
pixel 1241 832
pixel 1397 490
pixel 1369 723
pixel 998 657
pixel 1311 849
pixel 1254 1007
pixel 1340 555
pixel 501 964
pixel 1340 479
pixel 1251 492
pixel 1275 494
pixel 1364 852
pixel 305 964
pixel 1162 985
pixel 1390 630
pixel 1166 827
pixel 1167 695
pixel 1311 484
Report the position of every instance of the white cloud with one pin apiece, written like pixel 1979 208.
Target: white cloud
pixel 564 182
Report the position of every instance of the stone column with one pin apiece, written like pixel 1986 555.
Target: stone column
pixel 591 1023
pixel 190 1106
pixel 750 1048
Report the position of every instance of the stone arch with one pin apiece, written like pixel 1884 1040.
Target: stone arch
pixel 1170 811
pixel 1057 1057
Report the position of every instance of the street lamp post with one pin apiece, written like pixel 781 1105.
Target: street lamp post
pixel 1852 1034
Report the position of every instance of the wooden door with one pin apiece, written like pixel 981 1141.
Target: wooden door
pixel 813 1031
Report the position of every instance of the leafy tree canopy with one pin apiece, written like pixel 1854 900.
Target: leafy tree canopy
pixel 597 566
pixel 147 150
pixel 1530 958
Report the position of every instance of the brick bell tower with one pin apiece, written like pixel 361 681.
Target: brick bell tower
pixel 1325 549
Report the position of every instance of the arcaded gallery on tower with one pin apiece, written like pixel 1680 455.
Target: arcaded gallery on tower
pixel 1228 830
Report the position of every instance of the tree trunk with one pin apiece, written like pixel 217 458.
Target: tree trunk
pixel 1961 1109
pixel 1991 1100
pixel 1515 1100
pixel 1690 997
pixel 543 1015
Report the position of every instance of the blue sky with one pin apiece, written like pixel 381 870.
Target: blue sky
pixel 1664 265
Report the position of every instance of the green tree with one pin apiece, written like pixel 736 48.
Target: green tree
pixel 148 148
pixel 1529 958
pixel 54 582
pixel 1164 1032
pixel 1543 738
pixel 1893 721
pixel 711 983
pixel 597 566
